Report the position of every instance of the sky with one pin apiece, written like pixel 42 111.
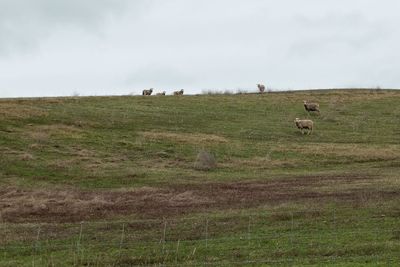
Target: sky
pixel 120 47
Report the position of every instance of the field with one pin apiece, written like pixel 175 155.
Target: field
pixel 110 181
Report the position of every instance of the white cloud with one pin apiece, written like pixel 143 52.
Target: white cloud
pixel 24 24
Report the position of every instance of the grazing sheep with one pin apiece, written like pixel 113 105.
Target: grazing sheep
pixel 304 125
pixel 261 88
pixel 162 93
pixel 147 92
pixel 311 106
pixel 180 92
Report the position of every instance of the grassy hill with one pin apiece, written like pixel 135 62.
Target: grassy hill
pixel 124 166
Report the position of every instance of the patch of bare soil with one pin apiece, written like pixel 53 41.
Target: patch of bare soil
pixel 17 205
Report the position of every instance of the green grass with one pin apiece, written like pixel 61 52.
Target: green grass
pixel 254 126
pixel 109 144
pixel 320 238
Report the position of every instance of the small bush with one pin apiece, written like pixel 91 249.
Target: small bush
pixel 228 92
pixel 241 91
pixel 205 161
pixel 216 92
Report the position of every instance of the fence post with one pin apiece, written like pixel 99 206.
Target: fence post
pixel 206 252
pixel 206 232
pixel 122 238
pixel 335 233
pixel 177 251
pixel 248 239
pixel 291 230
pixel 78 245
pixel 3 224
pixel 163 238
pixel 35 252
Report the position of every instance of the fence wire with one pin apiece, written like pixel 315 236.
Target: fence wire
pixel 254 239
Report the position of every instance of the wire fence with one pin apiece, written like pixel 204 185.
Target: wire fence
pixel 278 238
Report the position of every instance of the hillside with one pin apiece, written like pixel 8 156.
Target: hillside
pixel 125 164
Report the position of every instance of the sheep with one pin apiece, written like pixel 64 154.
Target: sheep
pixel 180 92
pixel 261 88
pixel 304 124
pixel 311 106
pixel 162 93
pixel 147 92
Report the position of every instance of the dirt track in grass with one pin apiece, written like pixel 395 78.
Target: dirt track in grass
pixel 60 205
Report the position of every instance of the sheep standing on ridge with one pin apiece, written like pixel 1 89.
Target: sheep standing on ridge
pixel 162 93
pixel 180 92
pixel 261 88
pixel 304 125
pixel 311 106
pixel 147 92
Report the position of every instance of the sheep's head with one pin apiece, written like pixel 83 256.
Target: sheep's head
pixel 305 102
pixel 296 120
pixel 151 90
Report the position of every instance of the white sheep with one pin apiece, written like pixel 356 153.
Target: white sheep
pixel 311 106
pixel 162 93
pixel 261 88
pixel 147 92
pixel 180 92
pixel 304 125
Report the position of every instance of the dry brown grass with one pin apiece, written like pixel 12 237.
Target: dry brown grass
pixel 26 156
pixel 66 205
pixel 338 100
pixel 43 132
pixel 87 160
pixel 20 111
pixel 82 153
pixel 342 96
pixel 39 137
pixel 389 182
pixel 197 138
pixel 157 164
pixel 8 151
pixel 259 163
pixel 62 164
pixel 356 151
pixel 16 154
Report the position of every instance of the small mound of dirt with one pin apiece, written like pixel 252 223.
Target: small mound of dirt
pixel 205 161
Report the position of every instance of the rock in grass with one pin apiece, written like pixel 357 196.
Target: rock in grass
pixel 205 161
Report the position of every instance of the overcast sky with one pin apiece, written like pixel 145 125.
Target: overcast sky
pixel 106 47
